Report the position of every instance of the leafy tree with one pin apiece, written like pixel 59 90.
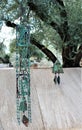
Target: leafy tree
pixel 6 59
pixel 2 52
pixel 2 49
pixel 12 46
pixel 3 56
pixel 55 22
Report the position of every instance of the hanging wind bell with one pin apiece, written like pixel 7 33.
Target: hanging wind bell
pixel 23 66
pixel 57 69
pixel 23 74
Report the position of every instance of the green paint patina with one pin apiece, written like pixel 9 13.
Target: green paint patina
pixel 23 71
pixel 57 67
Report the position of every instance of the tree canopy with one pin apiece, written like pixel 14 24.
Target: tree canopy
pixel 56 26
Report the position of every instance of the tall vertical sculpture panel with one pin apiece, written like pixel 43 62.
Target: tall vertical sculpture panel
pixel 23 74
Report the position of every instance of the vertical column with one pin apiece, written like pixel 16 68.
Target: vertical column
pixel 23 74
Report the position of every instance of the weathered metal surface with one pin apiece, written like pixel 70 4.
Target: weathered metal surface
pixel 23 72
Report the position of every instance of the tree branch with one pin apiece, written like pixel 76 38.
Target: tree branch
pixel 63 28
pixel 44 49
pixel 44 18
pixel 9 24
pixel 34 42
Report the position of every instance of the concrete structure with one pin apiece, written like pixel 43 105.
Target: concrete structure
pixel 53 107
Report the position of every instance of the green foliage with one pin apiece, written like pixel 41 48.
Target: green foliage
pixel 6 58
pixel 2 49
pixel 74 11
pixel 49 10
pixel 35 52
pixel 12 46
